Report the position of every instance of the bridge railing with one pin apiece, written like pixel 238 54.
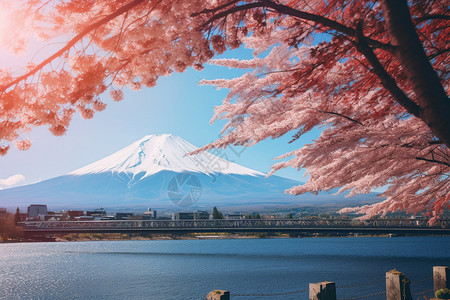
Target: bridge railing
pixel 229 224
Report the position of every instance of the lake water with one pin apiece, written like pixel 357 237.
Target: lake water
pixel 189 269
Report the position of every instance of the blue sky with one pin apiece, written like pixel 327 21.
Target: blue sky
pixel 176 105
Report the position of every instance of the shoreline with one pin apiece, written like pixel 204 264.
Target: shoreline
pixel 94 237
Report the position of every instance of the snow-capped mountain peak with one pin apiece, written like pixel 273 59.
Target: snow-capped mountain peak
pixel 158 152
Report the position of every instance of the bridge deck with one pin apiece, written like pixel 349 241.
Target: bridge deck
pixel 401 226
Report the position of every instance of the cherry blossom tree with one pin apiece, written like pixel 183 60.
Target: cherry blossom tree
pixel 373 75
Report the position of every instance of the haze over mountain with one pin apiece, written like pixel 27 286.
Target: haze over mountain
pixel 156 172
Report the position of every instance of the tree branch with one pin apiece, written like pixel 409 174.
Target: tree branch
pixel 286 10
pixel 72 42
pixel 440 52
pixel 212 10
pixel 432 17
pixel 433 161
pixel 386 80
pixel 230 11
pixel 435 142
pixel 341 115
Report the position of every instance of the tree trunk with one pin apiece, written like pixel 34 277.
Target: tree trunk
pixel 429 92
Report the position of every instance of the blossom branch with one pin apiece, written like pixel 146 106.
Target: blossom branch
pixel 72 42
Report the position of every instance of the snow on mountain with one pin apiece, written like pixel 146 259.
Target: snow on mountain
pixel 155 153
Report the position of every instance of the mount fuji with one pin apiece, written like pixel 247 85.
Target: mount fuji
pixel 155 171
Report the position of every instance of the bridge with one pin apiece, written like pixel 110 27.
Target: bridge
pixel 336 226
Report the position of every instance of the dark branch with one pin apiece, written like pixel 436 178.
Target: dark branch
pixel 341 115
pixel 434 161
pixel 284 9
pixel 386 80
pixel 432 17
pixel 72 42
pixel 230 11
pixel 440 52
pixel 212 10
pixel 435 142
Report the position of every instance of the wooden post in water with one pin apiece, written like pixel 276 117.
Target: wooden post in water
pixel 441 278
pixel 397 286
pixel 325 290
pixel 218 295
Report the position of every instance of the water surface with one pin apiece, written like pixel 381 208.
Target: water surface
pixel 189 269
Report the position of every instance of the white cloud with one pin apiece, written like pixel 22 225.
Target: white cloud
pixel 12 180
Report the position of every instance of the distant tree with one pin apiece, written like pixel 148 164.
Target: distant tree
pixel 4 230
pixel 216 213
pixel 8 230
pixel 256 215
pixel 289 216
pixel 373 74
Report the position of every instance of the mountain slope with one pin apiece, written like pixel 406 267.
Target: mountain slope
pixel 155 171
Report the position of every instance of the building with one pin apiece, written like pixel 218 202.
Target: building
pixel 84 218
pixel 75 214
pixel 123 216
pixel 37 211
pixel 183 216
pixel 198 215
pixel 55 216
pixel 234 216
pixel 150 214
pixel 201 215
pixel 96 214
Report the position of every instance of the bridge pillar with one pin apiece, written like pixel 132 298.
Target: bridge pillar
pixel 441 276
pixel 397 286
pixel 325 290
pixel 218 295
